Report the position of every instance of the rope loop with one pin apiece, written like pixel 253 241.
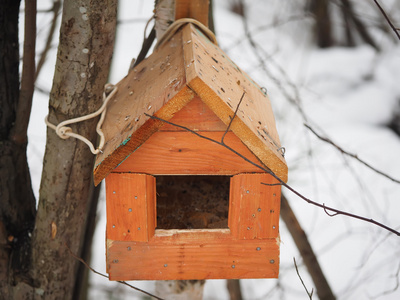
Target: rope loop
pixel 65 132
pixel 174 27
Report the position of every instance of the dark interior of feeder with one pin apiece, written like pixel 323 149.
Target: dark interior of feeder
pixel 192 202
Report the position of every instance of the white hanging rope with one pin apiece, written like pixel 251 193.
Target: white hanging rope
pixel 66 132
pixel 174 27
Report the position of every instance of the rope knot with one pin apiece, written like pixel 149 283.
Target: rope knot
pixel 63 131
pixel 66 132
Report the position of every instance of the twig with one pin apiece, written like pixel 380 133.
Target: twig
pixel 359 25
pixel 302 242
pixel 329 214
pixel 323 206
pixel 55 9
pixel 271 184
pixel 302 282
pixel 147 42
pixel 105 276
pixel 296 100
pixel 396 30
pixel 19 132
pixel 350 154
pixel 234 115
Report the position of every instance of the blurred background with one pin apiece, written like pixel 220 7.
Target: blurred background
pixel 331 69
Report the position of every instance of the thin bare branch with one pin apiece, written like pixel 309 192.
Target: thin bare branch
pixel 271 184
pixel 358 24
pixel 19 132
pixel 385 15
pixel 105 276
pixel 302 282
pixel 295 99
pixel 323 206
pixel 257 50
pixel 234 115
pixel 392 290
pixel 56 12
pixel 310 259
pixel 329 214
pixel 325 139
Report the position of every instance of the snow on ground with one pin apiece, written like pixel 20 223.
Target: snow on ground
pixel 346 94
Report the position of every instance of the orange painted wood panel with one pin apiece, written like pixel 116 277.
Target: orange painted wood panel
pixel 180 153
pixel 195 116
pixel 254 207
pixel 212 259
pixel 131 206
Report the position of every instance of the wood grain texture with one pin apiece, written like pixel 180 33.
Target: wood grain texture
pixel 248 249
pixel 179 153
pixel 220 83
pixel 131 207
pixel 126 126
pixel 196 116
pixel 254 207
pixel 185 67
pixel 159 259
pixel 195 9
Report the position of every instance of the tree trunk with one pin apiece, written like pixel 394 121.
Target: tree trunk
pixel 17 205
pixel 233 286
pixel 323 26
pixel 83 61
pixel 180 289
pixel 324 291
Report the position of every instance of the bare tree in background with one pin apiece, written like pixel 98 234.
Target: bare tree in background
pixel 353 25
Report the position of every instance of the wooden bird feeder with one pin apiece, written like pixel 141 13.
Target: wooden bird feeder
pixel 189 81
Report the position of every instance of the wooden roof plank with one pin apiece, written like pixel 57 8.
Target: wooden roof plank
pixel 220 84
pixel 185 66
pixel 126 126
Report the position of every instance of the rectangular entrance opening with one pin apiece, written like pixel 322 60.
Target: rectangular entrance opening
pixel 192 202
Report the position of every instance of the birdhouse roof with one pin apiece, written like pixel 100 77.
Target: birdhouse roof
pixel 185 66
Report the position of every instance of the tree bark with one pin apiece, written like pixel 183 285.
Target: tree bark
pixel 17 205
pixel 84 55
pixel 83 61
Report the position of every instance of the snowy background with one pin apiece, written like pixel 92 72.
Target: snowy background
pixel 346 94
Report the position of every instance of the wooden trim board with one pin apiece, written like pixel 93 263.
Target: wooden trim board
pixel 179 153
pixel 131 207
pixel 159 259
